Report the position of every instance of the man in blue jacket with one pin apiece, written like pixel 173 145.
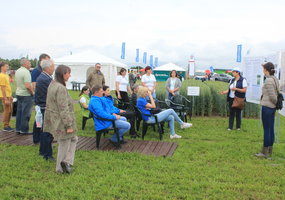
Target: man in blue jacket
pixel 99 107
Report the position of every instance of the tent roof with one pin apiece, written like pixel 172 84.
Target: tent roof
pixel 169 67
pixel 88 57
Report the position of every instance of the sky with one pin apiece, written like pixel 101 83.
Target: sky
pixel 171 30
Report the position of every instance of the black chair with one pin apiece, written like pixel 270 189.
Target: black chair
pixel 187 105
pixel 178 108
pixel 145 125
pixel 104 131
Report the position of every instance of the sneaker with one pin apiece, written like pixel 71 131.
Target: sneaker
pixel 8 129
pixel 186 125
pixel 175 136
pixel 229 129
pixel 238 129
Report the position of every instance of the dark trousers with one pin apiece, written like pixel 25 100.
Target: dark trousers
pixel 234 112
pixel 45 141
pixel 36 133
pixel 124 99
pixel 268 118
pixel 131 116
pixel 24 109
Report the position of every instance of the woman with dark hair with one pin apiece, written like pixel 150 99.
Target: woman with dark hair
pixel 84 101
pixel 268 102
pixel 237 87
pixel 60 119
pixel 122 87
pixel 130 115
pixel 173 85
pixel 149 81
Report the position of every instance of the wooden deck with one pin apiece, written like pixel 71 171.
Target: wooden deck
pixel 156 148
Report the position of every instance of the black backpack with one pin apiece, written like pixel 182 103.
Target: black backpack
pixel 280 98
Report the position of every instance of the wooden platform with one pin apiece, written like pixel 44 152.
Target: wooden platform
pixel 156 148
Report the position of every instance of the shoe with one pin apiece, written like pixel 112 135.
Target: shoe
pixel 116 144
pixel 27 133
pixel 238 129
pixel 229 129
pixel 8 129
pixel 52 159
pixel 186 125
pixel 175 136
pixel 263 153
pixel 65 167
pixel 123 142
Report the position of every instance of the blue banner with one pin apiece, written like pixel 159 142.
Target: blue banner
pixel 138 55
pixel 156 61
pixel 144 57
pixel 239 47
pixel 123 50
pixel 212 69
pixel 151 61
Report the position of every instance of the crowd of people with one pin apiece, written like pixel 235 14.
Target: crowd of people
pixel 55 117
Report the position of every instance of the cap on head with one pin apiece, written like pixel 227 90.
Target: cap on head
pixel 237 69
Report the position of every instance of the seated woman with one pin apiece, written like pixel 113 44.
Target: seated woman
pixel 168 115
pixel 84 101
pixel 130 115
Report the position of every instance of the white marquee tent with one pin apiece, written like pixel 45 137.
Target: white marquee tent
pixel 169 67
pixel 82 62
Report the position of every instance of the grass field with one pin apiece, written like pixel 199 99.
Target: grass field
pixel 209 163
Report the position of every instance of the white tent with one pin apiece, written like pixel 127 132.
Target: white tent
pixel 82 62
pixel 169 67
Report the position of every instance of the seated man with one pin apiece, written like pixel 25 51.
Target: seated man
pixel 99 107
pixel 129 114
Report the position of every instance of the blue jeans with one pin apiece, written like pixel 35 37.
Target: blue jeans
pixel 24 109
pixel 268 118
pixel 168 115
pixel 123 127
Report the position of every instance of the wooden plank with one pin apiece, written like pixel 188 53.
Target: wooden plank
pixel 142 146
pixel 84 140
pixel 136 145
pixel 8 135
pixel 5 134
pixel 151 148
pixel 146 148
pixel 164 149
pixel 103 143
pixel 11 139
pixel 89 144
pixel 172 149
pixel 157 148
pixel 24 141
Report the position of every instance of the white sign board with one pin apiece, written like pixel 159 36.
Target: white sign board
pixel 193 91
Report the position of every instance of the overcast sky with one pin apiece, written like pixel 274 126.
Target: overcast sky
pixel 171 30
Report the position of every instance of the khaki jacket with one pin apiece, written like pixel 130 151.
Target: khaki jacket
pixel 269 92
pixel 59 114
pixel 95 78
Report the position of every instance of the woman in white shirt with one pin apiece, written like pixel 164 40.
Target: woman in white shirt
pixel 122 86
pixel 149 81
pixel 173 85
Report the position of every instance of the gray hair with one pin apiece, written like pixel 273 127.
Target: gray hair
pixel 46 64
pixel 24 61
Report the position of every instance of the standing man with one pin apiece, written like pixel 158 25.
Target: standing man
pixel 35 74
pixel 132 79
pixel 24 93
pixel 96 77
pixel 43 81
pixel 6 96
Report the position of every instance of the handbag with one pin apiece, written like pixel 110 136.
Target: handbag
pixel 238 103
pixel 280 98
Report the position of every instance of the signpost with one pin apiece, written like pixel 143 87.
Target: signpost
pixel 193 91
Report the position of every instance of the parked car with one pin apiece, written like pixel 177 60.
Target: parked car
pixel 200 76
pixel 222 77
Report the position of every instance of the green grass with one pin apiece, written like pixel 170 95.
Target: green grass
pixel 209 163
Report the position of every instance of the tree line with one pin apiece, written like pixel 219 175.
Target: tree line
pixel 14 64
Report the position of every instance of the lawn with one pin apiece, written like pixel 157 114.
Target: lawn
pixel 209 163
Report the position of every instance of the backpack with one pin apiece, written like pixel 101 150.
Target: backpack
pixel 280 98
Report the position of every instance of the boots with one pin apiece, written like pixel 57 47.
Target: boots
pixel 270 148
pixel 264 153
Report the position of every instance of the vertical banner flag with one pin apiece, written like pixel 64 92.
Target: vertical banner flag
pixel 123 50
pixel 156 61
pixel 151 61
pixel 144 57
pixel 239 53
pixel 137 57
